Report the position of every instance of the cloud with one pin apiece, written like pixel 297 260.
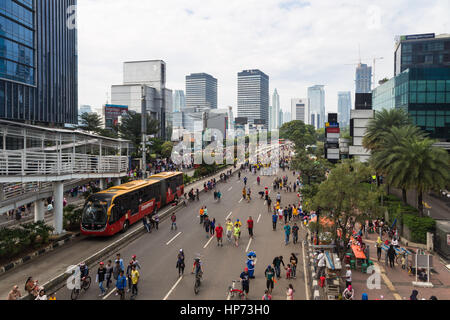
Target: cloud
pixel 297 43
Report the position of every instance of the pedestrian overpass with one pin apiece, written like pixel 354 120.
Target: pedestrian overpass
pixel 36 161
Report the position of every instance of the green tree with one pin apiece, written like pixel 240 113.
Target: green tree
pixel 91 122
pixel 413 162
pixel 299 133
pixel 381 123
pixel 130 129
pixel 166 149
pixel 346 195
pixel 309 167
pixel 385 158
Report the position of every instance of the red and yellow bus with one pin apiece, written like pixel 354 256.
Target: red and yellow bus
pixel 111 211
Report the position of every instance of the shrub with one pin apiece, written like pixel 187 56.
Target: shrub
pixel 419 226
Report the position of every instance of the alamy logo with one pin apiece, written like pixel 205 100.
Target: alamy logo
pixel 374 280
pixel 71 17
pixel 74 280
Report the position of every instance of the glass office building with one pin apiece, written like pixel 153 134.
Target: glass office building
pixel 38 62
pixel 424 93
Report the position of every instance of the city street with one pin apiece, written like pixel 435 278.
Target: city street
pixel 157 252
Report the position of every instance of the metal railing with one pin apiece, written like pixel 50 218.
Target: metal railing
pixel 21 163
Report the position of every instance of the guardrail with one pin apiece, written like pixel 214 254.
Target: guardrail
pixel 21 163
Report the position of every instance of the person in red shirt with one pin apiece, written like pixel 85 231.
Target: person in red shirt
pixel 219 235
pixel 250 227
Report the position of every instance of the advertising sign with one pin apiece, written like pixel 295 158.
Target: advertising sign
pixel 333 130
pixel 418 36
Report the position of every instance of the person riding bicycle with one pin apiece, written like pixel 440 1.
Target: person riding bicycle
pixel 198 268
pixel 84 271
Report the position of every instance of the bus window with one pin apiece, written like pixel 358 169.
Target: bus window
pixel 115 215
pixel 95 212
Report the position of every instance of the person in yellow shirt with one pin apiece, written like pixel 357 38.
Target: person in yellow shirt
pixel 134 280
pixel 237 233
pixel 229 226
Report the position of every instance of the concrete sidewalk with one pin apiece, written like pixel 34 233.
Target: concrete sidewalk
pixel 396 282
pixel 56 262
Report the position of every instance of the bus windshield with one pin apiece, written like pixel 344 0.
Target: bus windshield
pixel 96 210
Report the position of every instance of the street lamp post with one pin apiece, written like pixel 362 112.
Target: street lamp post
pixel 144 132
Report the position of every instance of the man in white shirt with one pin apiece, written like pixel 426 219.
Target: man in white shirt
pixel 348 277
pixel 321 264
pixel 394 242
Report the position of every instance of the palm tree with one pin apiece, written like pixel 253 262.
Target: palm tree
pixel 383 122
pixel 411 161
pixel 385 159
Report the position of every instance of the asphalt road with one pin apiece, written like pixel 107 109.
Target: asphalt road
pixel 157 251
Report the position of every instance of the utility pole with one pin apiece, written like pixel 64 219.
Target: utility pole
pixel 144 132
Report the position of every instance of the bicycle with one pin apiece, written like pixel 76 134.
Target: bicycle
pixel 198 282
pixel 232 292
pixel 86 283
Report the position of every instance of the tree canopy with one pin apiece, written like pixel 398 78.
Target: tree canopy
pixel 299 133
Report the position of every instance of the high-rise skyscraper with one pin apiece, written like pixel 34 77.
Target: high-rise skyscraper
pixel 287 117
pixel 363 78
pixel 280 118
pixel 316 96
pixel 145 80
pixel 422 51
pixel 271 121
pixel 344 107
pixel 38 62
pixel 300 110
pixel 201 91
pixel 276 110
pixel 179 101
pixel 253 96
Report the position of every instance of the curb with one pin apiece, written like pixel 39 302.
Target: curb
pixel 56 283
pixel 36 254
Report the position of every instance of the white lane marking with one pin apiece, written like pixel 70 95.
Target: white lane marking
pixel 229 215
pixel 230 189
pixel 249 243
pixel 258 218
pixel 173 288
pixel 209 241
pixel 106 297
pixel 173 238
pixel 241 200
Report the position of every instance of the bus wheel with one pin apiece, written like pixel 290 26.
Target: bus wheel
pixel 125 226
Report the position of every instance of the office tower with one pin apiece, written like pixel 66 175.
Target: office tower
pixel 179 101
pixel 424 93
pixel 300 109
pixel 363 78
pixel 421 51
pixel 38 62
pixel 280 118
pixel 276 110
pixel 344 107
pixel 201 91
pixel 144 88
pixel 253 96
pixel 271 120
pixel 316 96
pixel 83 109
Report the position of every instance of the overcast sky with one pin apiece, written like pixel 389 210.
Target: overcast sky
pixel 298 43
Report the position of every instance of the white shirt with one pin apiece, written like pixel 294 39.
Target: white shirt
pixel 394 242
pixel 348 275
pixel 321 259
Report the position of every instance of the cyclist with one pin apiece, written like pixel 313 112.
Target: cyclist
pixel 84 271
pixel 198 267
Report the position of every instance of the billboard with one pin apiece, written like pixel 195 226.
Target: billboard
pixel 241 120
pixel 113 112
pixel 418 36
pixel 333 130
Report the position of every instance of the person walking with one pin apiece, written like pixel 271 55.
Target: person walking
pixel 14 294
pixel 274 221
pixel 290 292
pixel 269 204
pixel 245 281
pixel 116 272
pixel 236 233
pixel 202 212
pixel 269 274
pixel 180 263
pixel 129 269
pixel 219 235
pixel 286 215
pixel 229 226
pixel 295 230
pixel 173 218
pixel 287 233
pixel 391 256
pixel 277 262
pixel 120 261
pixel 135 280
pixel 379 244
pixel 146 225
pixel 206 225
pixel 121 284
pixel 212 227
pixel 294 261
pixel 109 273
pixel 348 276
pixel 250 227
pixel 100 278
